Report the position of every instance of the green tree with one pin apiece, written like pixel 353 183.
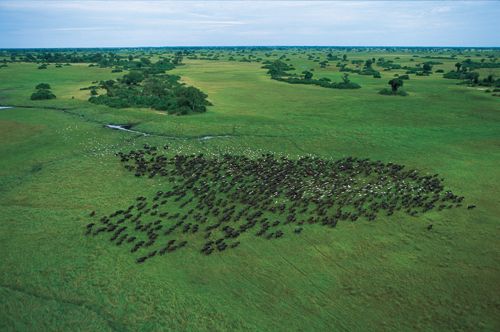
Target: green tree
pixel 458 65
pixel 43 86
pixel 156 87
pixel 42 94
pixel 345 78
pixel 133 78
pixel 307 75
pixel 146 61
pixel 395 84
pixel 177 58
pixel 192 98
pixel 427 67
pixel 473 77
pixel 277 68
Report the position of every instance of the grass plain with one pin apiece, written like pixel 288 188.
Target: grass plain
pixel 57 165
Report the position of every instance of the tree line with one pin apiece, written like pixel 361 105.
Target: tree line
pixel 279 70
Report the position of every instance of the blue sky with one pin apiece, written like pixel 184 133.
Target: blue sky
pixel 218 23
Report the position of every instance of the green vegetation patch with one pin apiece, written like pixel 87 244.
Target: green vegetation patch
pixel 279 71
pixel 42 92
pixel 160 91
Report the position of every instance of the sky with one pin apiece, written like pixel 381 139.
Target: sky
pixel 67 23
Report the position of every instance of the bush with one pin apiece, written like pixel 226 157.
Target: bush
pixel 325 83
pixel 454 75
pixel 42 94
pixel 45 86
pixel 389 92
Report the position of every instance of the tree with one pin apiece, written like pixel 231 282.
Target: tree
pixel 368 64
pixel 395 84
pixel 344 57
pixel 146 61
pixel 345 78
pixel 193 98
pixel 133 78
pixel 277 68
pixel 473 77
pixel 177 58
pixel 427 67
pixel 156 87
pixel 307 75
pixel 41 94
pixel 489 80
pixel 43 86
pixel 458 65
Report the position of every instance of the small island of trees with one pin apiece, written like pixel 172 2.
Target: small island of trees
pixel 160 91
pixel 279 71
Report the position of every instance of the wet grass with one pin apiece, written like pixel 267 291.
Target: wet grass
pixel 391 274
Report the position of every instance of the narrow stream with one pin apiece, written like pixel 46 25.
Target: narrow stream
pixel 127 129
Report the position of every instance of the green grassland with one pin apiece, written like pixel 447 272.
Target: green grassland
pixel 58 163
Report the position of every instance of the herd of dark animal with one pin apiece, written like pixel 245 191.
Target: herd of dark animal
pixel 229 198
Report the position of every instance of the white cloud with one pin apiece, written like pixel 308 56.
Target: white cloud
pixel 247 22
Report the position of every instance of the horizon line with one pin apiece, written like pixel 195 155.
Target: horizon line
pixel 246 46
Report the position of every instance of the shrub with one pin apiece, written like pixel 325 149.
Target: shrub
pixel 454 75
pixel 45 86
pixel 389 92
pixel 42 94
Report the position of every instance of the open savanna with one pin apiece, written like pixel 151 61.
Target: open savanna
pixel 57 164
